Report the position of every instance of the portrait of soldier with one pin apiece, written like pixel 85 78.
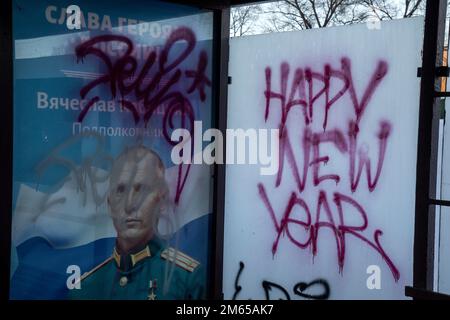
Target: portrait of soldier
pixel 142 265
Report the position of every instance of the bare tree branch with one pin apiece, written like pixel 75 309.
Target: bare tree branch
pixel 242 19
pixel 418 6
pixel 383 9
pixel 307 14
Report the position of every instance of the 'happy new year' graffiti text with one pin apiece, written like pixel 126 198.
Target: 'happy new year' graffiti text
pixel 309 90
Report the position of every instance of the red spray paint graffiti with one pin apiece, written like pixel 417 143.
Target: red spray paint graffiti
pixel 303 93
pixel 164 88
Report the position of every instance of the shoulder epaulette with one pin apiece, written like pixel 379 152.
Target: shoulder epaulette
pixel 88 273
pixel 180 259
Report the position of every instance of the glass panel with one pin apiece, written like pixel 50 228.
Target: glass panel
pixel 99 88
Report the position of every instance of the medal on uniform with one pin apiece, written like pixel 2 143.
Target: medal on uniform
pixel 152 285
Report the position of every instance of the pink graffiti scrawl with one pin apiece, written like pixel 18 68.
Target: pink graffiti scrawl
pixel 164 89
pixel 304 91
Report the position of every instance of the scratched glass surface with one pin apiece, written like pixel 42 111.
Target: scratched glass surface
pixel 132 73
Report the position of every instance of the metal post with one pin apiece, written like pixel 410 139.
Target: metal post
pixel 6 116
pixel 220 76
pixel 427 145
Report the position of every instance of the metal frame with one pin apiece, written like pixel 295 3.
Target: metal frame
pixel 220 75
pixel 6 118
pixel 426 170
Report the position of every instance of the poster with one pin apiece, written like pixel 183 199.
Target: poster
pixel 100 211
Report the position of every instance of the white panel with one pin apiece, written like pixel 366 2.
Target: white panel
pixel 250 231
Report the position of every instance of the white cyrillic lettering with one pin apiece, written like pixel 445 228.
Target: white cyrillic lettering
pixel 74 130
pixel 42 100
pixel 93 21
pixel 106 23
pixel 132 26
pixel 111 106
pixel 74 103
pixel 48 14
pixel 53 103
pixel 155 30
pixel 64 102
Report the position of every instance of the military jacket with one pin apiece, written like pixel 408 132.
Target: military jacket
pixel 152 273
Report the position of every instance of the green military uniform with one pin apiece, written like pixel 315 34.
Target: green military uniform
pixel 142 275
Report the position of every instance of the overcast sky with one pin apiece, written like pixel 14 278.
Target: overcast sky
pixel 263 17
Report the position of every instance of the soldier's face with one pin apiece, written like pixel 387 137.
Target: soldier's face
pixel 136 190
